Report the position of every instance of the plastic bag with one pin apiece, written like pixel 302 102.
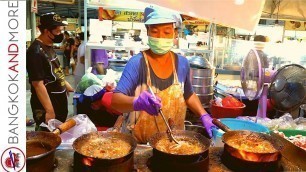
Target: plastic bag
pixel 301 123
pixel 83 126
pixel 88 80
pixel 72 62
pixel 286 122
pixel 110 78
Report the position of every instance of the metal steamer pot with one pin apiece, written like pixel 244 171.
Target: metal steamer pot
pixel 173 162
pixel 41 146
pixel 87 163
pixel 202 81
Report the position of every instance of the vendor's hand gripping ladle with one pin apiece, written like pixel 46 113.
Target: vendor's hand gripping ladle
pixel 161 113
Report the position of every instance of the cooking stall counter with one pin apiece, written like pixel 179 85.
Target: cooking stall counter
pixel 142 160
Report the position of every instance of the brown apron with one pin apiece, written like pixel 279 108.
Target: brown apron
pixel 173 106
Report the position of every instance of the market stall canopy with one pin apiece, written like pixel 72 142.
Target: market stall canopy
pixel 243 14
pixel 285 10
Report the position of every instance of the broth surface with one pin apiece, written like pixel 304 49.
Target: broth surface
pixel 252 145
pixel 106 148
pixel 186 146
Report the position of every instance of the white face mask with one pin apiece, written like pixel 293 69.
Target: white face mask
pixel 160 46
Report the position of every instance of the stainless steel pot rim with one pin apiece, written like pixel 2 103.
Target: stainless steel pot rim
pixel 202 77
pixel 210 94
pixel 201 86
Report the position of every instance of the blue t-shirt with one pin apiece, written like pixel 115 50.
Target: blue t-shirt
pixel 135 74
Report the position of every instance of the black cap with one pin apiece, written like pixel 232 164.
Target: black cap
pixel 51 19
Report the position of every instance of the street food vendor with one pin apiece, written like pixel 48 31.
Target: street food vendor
pixel 166 73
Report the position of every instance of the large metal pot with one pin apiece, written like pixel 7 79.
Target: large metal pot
pixel 41 147
pixel 254 138
pixel 180 134
pixel 45 143
pixel 92 163
pixel 171 162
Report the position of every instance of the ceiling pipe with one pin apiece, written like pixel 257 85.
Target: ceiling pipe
pixel 59 1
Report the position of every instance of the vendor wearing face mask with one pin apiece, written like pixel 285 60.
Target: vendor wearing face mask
pixel 166 73
pixel 48 84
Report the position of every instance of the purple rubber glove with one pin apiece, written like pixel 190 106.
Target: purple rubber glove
pixel 207 123
pixel 146 102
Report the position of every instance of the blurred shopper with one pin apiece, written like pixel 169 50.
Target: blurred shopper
pixel 99 61
pixel 80 67
pixel 48 84
pixel 68 52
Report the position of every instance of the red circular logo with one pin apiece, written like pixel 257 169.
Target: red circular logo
pixel 13 159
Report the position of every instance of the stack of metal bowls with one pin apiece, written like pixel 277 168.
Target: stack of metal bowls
pixel 202 78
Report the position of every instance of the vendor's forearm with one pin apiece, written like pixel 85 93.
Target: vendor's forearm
pixel 195 105
pixel 122 103
pixel 43 96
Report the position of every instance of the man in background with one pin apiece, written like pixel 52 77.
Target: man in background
pixel 68 53
pixel 80 67
pixel 48 85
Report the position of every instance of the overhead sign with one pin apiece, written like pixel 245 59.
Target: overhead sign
pixel 196 22
pixel 295 25
pixel 128 16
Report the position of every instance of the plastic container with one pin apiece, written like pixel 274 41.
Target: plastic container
pixel 225 112
pixel 236 124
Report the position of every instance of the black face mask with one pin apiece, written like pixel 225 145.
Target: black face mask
pixel 57 38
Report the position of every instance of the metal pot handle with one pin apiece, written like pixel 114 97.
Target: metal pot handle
pixel 65 126
pixel 221 125
pixel 188 122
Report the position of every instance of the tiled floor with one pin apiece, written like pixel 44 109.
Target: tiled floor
pixel 70 79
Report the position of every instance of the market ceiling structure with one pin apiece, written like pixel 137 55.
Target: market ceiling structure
pixel 272 9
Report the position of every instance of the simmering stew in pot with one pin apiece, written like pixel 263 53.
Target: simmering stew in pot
pixel 36 148
pixel 255 145
pixel 186 146
pixel 106 148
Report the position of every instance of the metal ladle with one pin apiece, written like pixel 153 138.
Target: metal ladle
pixel 161 113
